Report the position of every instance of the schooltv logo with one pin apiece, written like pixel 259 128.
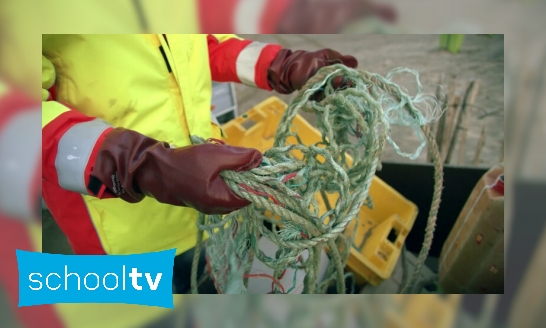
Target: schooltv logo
pixel 144 279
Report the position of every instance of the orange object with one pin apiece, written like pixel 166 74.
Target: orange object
pixel 499 186
pixel 472 259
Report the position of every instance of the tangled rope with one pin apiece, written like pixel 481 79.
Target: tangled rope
pixel 274 312
pixel 354 122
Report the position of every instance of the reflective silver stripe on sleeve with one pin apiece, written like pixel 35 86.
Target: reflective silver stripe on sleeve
pixel 248 16
pixel 246 62
pixel 20 147
pixel 73 153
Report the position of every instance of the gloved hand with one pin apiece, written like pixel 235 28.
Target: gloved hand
pixel 131 166
pixel 331 17
pixel 290 70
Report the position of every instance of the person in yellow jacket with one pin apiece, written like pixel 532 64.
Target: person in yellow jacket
pixel 119 173
pixel 21 228
pixel 211 16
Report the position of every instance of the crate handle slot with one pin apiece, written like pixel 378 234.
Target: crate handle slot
pixel 249 123
pixel 393 235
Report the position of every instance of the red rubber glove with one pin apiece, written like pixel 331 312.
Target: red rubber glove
pixel 131 166
pixel 289 71
pixel 330 17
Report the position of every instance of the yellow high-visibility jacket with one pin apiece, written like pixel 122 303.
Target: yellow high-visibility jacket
pixel 174 16
pixel 157 85
pixel 21 229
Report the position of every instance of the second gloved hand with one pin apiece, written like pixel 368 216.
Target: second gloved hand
pixel 290 70
pixel 131 166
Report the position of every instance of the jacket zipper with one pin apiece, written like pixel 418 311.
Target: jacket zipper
pixel 141 17
pixel 165 58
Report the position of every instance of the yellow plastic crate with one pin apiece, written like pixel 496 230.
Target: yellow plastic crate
pixel 425 311
pixel 384 229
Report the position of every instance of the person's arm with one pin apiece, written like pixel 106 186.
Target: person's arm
pixel 89 156
pixel 241 16
pixel 70 139
pixel 234 59
pixel 330 17
pixel 287 16
pixel 20 185
pixel 267 66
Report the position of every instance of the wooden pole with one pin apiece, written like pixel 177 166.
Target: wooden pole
pixel 441 134
pixel 439 93
pixel 464 119
pixel 467 110
pixel 479 147
pixel 440 97
pixel 450 126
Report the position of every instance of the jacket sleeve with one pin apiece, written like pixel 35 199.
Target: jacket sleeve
pixel 237 16
pixel 233 59
pixel 70 140
pixel 20 193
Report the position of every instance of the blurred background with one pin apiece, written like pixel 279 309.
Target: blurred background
pixel 480 57
pixel 521 84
